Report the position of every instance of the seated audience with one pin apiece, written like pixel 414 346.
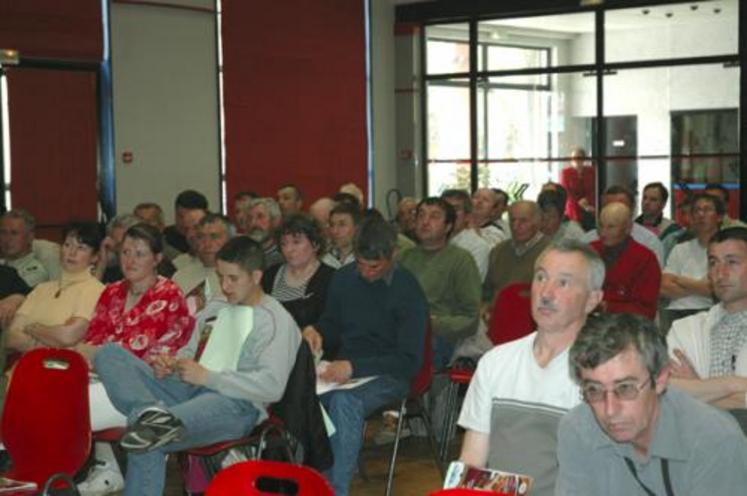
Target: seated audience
pixel 152 214
pixel 633 275
pixel 579 181
pixel 521 389
pixel 320 211
pixel 513 260
pixel 264 218
pixel 555 225
pixel 144 313
pixel 290 200
pixel 655 197
pixel 241 203
pixel 173 406
pixel 406 216
pixel 373 324
pixel 16 240
pixel 343 222
pixel 621 194
pixel 684 280
pixel 709 349
pixel 634 435
pixel 57 313
pixel 488 205
pixel 464 236
pixel 722 192
pixel 189 207
pixel 108 267
pixel 300 283
pixel 353 190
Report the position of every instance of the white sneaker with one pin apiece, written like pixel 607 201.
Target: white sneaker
pixel 104 478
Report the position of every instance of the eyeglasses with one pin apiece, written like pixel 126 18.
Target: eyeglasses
pixel 625 391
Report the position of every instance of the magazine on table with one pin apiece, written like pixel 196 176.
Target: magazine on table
pixel 494 481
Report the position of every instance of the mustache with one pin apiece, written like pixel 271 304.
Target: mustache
pixel 545 304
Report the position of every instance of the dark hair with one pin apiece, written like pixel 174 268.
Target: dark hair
pixel 449 212
pixel 662 190
pixel 375 239
pixel 295 189
pixel 461 195
pixel 191 200
pixel 552 198
pixel 212 218
pixel 87 233
pixel 347 209
pixel 500 192
pixel 715 201
pixel 736 233
pixel 723 189
pixel 605 336
pixel 251 195
pixel 302 224
pixel 621 190
pixel 244 252
pixel 147 233
pixel 340 198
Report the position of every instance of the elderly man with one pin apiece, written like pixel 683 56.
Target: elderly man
pixel 406 216
pixel 264 217
pixel 320 210
pixel 16 239
pixel 684 280
pixel 621 194
pixel 189 207
pixel 555 225
pixel 290 200
pixel 513 260
pixel 633 275
pixel 373 325
pixel 710 348
pixel 522 388
pixel 488 207
pixel 464 236
pixel 633 436
pixel 152 214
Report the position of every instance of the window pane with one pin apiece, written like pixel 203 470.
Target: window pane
pixel 448 135
pixel 447 48
pixel 532 42
pixel 528 132
pixel 671 31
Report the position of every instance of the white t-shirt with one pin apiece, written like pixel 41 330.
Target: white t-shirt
pixel 689 259
pixel 511 372
pixel 469 240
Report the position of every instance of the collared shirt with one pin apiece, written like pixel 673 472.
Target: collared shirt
pixel 728 338
pixel 334 258
pixel 29 268
pixel 705 449
pixel 521 248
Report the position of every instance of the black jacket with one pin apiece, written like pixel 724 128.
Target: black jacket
pixel 307 310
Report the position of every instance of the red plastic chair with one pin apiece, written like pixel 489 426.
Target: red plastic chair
pixel 267 478
pixel 462 492
pixel 46 426
pixel 511 319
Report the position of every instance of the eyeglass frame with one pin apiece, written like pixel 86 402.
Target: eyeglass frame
pixel 633 395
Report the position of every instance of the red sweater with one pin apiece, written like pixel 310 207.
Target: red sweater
pixel 632 281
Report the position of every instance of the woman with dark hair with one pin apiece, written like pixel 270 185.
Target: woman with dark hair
pixel 56 313
pixel 300 283
pixel 144 313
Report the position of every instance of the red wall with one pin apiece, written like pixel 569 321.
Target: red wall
pixel 295 101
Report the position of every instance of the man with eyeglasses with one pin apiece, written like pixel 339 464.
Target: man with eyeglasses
pixel 521 389
pixel 633 435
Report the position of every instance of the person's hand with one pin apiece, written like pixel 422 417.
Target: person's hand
pixel 339 371
pixel 681 367
pixel 191 372
pixel 163 365
pixel 312 336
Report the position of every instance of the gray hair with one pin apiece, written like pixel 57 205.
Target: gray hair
pixel 534 208
pixel 24 215
pixel 125 221
pixel 212 218
pixel 605 336
pixel 269 204
pixel 596 264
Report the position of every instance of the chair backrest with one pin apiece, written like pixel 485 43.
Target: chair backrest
pixel 464 492
pixel 267 478
pixel 512 314
pixel 422 380
pixel 46 426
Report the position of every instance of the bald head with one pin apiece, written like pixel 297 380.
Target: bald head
pixel 525 217
pixel 615 223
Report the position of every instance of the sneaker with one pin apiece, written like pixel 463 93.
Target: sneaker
pixel 153 428
pixel 104 478
pixel 388 430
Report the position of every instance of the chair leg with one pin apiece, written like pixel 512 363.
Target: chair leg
pixel 447 431
pixel 431 437
pixel 362 472
pixel 395 448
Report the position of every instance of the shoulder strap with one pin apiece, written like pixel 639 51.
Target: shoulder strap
pixel 664 475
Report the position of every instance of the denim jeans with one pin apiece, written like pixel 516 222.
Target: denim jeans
pixel 208 416
pixel 348 409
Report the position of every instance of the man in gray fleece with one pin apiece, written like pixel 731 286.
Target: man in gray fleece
pixel 175 404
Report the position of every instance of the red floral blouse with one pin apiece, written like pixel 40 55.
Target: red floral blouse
pixel 159 323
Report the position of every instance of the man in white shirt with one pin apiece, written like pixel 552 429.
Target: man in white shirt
pixel 464 236
pixel 521 389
